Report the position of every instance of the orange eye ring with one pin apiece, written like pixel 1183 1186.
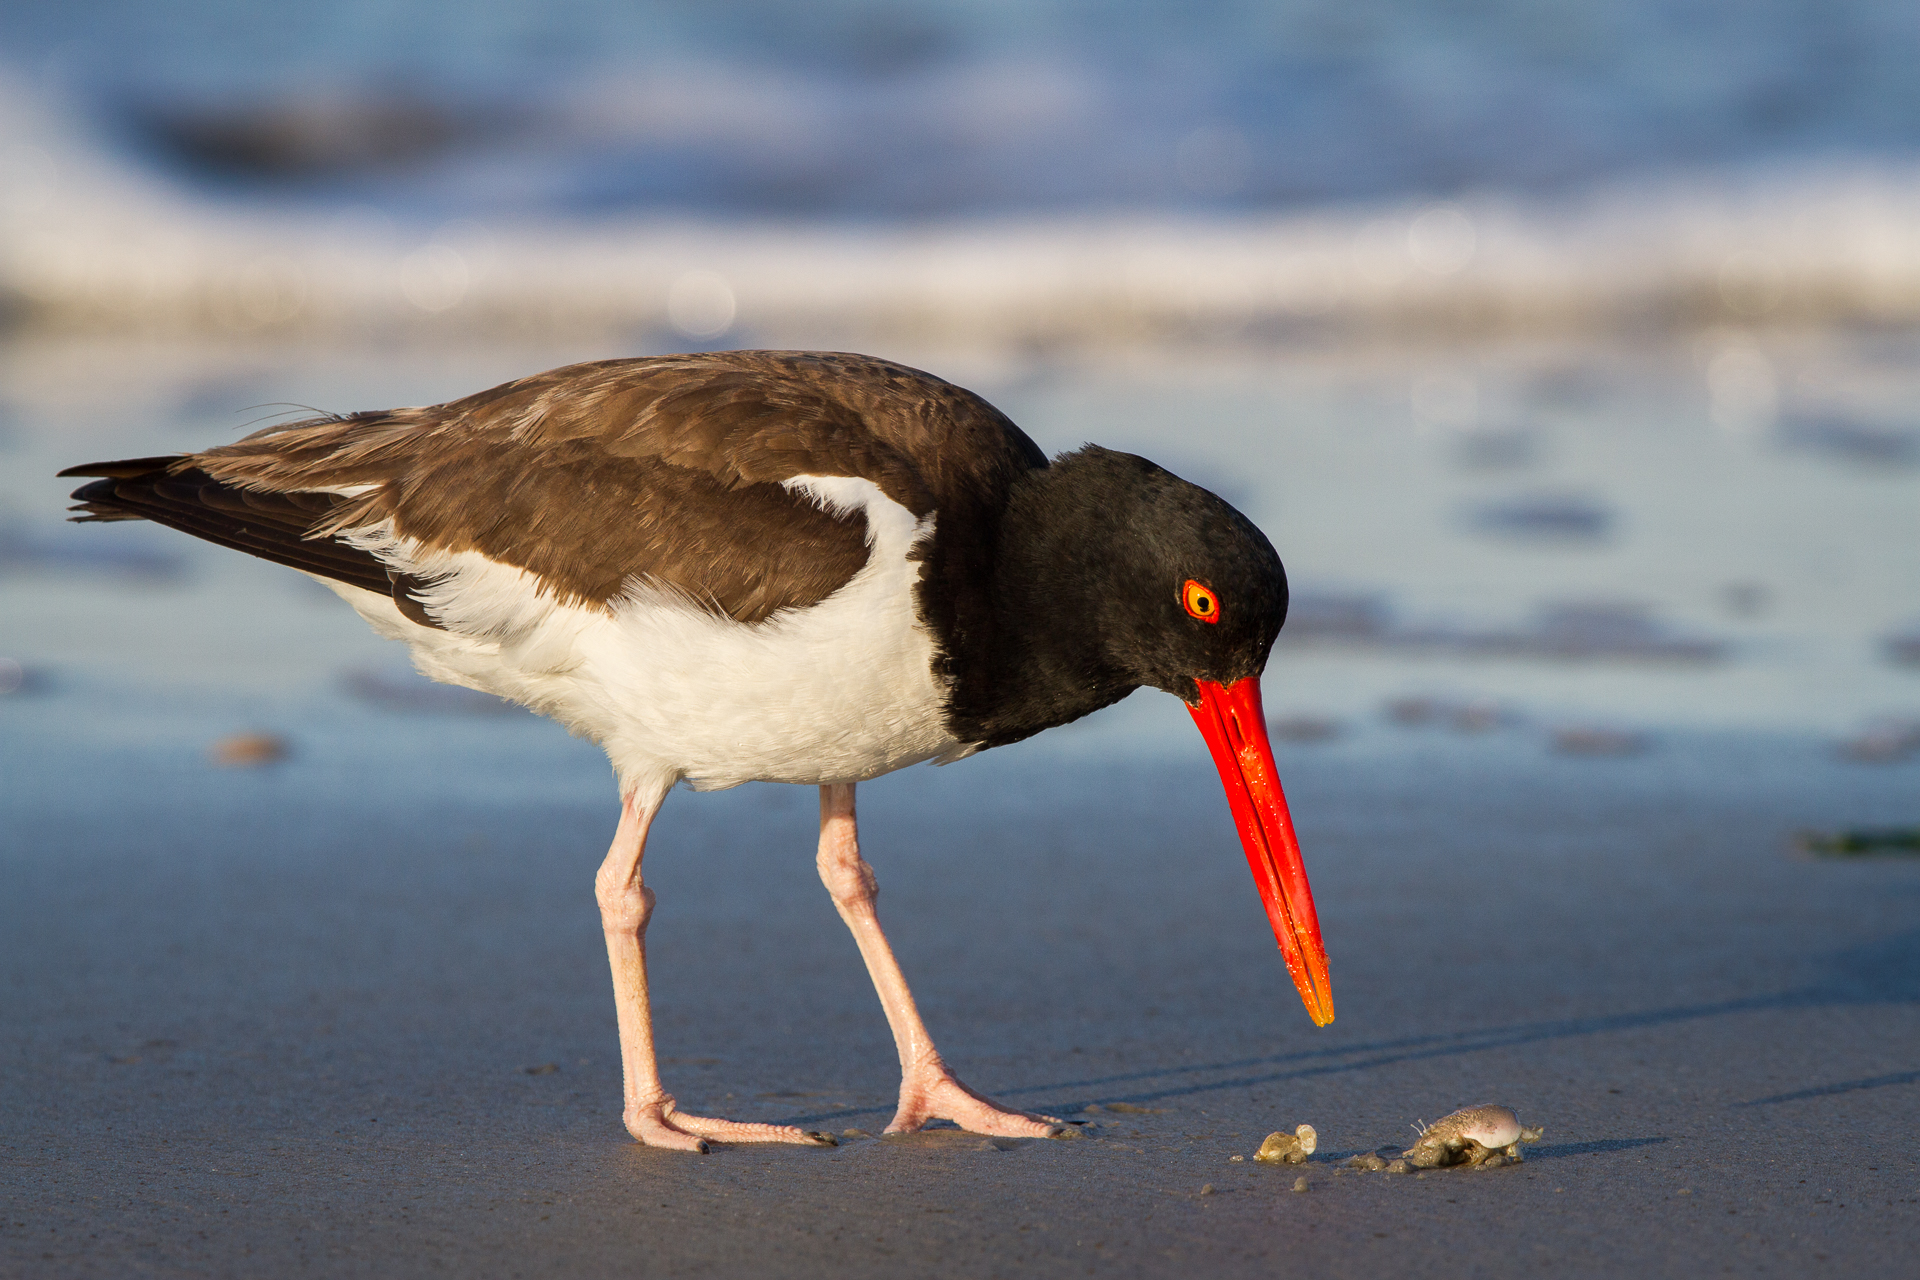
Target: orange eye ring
pixel 1200 602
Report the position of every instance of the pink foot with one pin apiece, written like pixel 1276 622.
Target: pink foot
pixel 657 1124
pixel 934 1094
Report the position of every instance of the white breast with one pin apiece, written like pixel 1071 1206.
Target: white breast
pixel 840 691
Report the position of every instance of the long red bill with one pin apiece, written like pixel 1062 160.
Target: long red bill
pixel 1235 726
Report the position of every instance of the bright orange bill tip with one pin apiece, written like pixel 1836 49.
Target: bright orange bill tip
pixel 1235 727
pixel 1200 601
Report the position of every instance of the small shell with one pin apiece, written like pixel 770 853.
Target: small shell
pixel 1288 1148
pixel 1487 1124
pixel 1484 1136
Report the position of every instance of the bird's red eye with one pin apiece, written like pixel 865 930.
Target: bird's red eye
pixel 1200 601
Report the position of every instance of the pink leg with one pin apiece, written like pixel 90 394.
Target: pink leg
pixel 927 1089
pixel 626 904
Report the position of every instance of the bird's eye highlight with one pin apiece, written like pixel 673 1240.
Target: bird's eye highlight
pixel 1200 601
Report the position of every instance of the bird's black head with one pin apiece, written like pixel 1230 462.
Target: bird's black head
pixel 1181 586
pixel 1114 573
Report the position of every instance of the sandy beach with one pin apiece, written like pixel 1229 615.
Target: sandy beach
pixel 303 1021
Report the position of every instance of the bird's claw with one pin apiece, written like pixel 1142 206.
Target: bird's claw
pixel 937 1095
pixel 651 1126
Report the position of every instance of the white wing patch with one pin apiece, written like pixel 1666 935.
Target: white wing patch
pixel 839 691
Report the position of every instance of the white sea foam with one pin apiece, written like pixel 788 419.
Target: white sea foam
pixel 89 241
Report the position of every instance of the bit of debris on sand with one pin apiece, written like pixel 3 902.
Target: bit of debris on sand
pixel 1860 842
pixel 403 689
pixel 1903 648
pixel 1884 741
pixel 1479 715
pixel 1300 1185
pixel 248 750
pixel 1597 740
pixel 1288 1148
pixel 1303 728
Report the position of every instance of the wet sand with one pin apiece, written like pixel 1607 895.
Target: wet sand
pixel 319 1018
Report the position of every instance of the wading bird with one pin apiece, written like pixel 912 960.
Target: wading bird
pixel 779 566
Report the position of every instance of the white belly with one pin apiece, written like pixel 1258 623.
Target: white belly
pixel 840 691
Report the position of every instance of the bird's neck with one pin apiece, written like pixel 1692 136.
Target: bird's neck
pixel 1023 646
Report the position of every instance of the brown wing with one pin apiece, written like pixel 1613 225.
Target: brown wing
pixel 666 468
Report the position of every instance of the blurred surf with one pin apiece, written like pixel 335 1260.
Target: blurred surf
pixel 965 169
pixel 943 108
pixel 88 245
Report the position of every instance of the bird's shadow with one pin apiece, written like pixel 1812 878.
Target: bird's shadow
pixel 1563 1150
pixel 1844 1086
pixel 1553 1151
pixel 1886 971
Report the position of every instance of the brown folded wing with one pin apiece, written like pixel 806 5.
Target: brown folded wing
pixel 593 476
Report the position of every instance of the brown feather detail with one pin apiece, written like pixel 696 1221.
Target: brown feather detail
pixel 665 469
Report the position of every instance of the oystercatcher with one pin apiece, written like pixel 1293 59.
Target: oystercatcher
pixel 780 566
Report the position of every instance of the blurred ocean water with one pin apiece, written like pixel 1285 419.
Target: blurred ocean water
pixel 849 108
pixel 981 170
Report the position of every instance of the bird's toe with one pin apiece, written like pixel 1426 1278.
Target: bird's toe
pixel 654 1131
pixel 940 1096
pixel 748 1131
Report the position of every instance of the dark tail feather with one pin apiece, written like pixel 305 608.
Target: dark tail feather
pixel 272 526
pixel 126 469
pixel 96 500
